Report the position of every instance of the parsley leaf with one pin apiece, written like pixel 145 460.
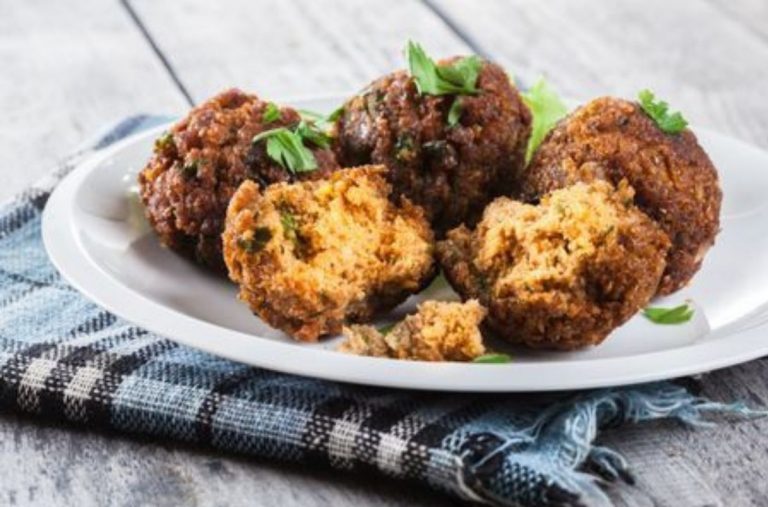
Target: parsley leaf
pixel 670 123
pixel 454 113
pixel 676 315
pixel 547 109
pixel 164 142
pixel 310 131
pixel 335 114
pixel 493 359
pixel 287 149
pixel 271 113
pixel 458 77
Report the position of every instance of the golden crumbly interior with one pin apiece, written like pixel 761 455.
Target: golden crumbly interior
pixel 544 247
pixel 438 331
pixel 309 256
pixel 563 273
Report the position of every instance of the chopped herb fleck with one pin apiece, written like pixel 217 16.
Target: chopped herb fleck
pixel 547 109
pixel 287 149
pixel 670 123
pixel 290 225
pixel 454 113
pixel 404 147
pixel 271 113
pixel 458 77
pixel 255 243
pixel 677 315
pixel 493 359
pixel 189 169
pixel 164 142
pixel 386 329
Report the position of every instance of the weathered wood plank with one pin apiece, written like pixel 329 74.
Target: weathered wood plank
pixel 703 62
pixel 44 464
pixel 751 14
pixel 289 48
pixel 67 69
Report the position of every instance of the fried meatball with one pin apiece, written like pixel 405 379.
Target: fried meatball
pixel 561 274
pixel 311 256
pixel 438 331
pixel 451 171
pixel 675 182
pixel 200 162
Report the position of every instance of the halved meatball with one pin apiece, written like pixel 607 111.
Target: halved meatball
pixel 200 162
pixel 674 180
pixel 452 171
pixel 561 274
pixel 312 256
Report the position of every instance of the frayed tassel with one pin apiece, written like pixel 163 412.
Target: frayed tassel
pixel 540 464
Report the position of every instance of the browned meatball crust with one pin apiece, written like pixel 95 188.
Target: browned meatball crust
pixel 561 274
pixel 674 180
pixel 453 172
pixel 200 162
pixel 314 255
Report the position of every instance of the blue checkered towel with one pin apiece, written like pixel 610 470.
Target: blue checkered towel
pixel 62 356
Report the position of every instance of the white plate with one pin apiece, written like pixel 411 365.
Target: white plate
pixel 96 236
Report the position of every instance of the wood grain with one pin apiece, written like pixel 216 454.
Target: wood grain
pixel 67 69
pixel 702 61
pixel 285 49
pixel 44 465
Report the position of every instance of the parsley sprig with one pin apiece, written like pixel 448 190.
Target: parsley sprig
pixel 454 113
pixel 658 110
pixel 289 147
pixel 271 113
pixel 286 147
pixel 677 315
pixel 458 77
pixel 547 109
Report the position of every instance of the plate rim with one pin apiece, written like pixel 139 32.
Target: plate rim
pixel 60 241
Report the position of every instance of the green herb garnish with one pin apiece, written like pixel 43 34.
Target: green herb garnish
pixel 164 141
pixel 670 123
pixel 259 239
pixel 547 109
pixel 271 113
pixel 335 114
pixel 458 77
pixel 493 359
pixel 322 122
pixel 287 149
pixel 290 225
pixel 454 113
pixel 676 315
pixel 309 131
pixel 386 329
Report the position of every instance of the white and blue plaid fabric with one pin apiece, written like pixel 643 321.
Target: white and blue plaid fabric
pixel 61 356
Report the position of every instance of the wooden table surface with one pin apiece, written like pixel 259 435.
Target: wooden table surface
pixel 69 68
